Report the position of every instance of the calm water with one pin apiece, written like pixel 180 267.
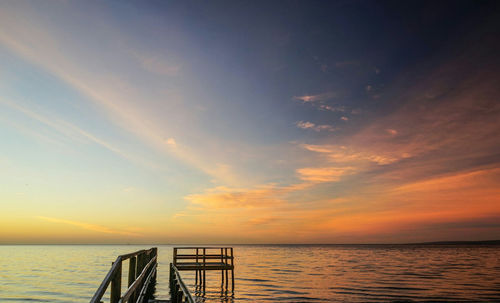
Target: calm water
pixel 272 273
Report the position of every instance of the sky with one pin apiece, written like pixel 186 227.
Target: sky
pixel 249 121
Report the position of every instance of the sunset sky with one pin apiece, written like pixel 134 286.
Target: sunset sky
pixel 249 121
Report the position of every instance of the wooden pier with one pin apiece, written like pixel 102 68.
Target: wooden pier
pixel 141 278
pixel 143 271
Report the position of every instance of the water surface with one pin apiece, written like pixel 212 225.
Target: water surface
pixel 271 273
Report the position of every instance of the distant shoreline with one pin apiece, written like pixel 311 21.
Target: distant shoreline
pixel 485 242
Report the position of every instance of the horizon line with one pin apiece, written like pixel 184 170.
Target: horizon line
pixel 445 242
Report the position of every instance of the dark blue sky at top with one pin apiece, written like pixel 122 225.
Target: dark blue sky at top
pixel 284 49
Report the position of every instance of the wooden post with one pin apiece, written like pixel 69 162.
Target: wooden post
pixel 232 270
pixel 227 263
pixel 222 271
pixel 175 256
pixel 196 271
pixel 204 264
pixel 155 254
pixel 116 285
pixel 140 264
pixel 171 277
pixel 131 270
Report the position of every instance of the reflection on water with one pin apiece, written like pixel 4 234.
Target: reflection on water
pixel 295 273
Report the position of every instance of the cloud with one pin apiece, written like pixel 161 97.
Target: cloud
pixel 316 98
pixel 305 125
pixel 343 118
pixel 453 182
pixel 223 197
pixel 391 132
pixel 323 174
pixel 331 108
pixel 319 101
pixel 171 142
pixel 318 128
pixel 91 227
pixel 262 196
pixel 344 154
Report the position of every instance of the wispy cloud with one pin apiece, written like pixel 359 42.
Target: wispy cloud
pixel 332 108
pixel 91 227
pixel 315 127
pixel 344 154
pixel 70 130
pixel 316 98
pixel 319 101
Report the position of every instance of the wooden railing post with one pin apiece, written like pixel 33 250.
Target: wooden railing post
pixel 140 264
pixel 232 270
pixel 204 264
pixel 175 256
pixel 131 270
pixel 155 254
pixel 222 271
pixel 225 257
pixel 116 284
pixel 197 271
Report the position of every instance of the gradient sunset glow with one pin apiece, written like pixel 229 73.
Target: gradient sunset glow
pixel 249 122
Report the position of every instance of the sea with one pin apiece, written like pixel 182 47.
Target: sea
pixel 270 273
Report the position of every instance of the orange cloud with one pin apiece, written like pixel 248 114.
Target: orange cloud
pixel 323 174
pixel 223 197
pixel 348 154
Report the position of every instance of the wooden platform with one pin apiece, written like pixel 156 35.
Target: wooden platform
pixel 201 259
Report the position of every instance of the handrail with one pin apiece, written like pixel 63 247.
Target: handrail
pixel 140 265
pixel 104 285
pixel 142 293
pixel 137 283
pixel 179 291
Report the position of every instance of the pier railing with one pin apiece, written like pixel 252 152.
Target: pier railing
pixel 179 293
pixel 141 274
